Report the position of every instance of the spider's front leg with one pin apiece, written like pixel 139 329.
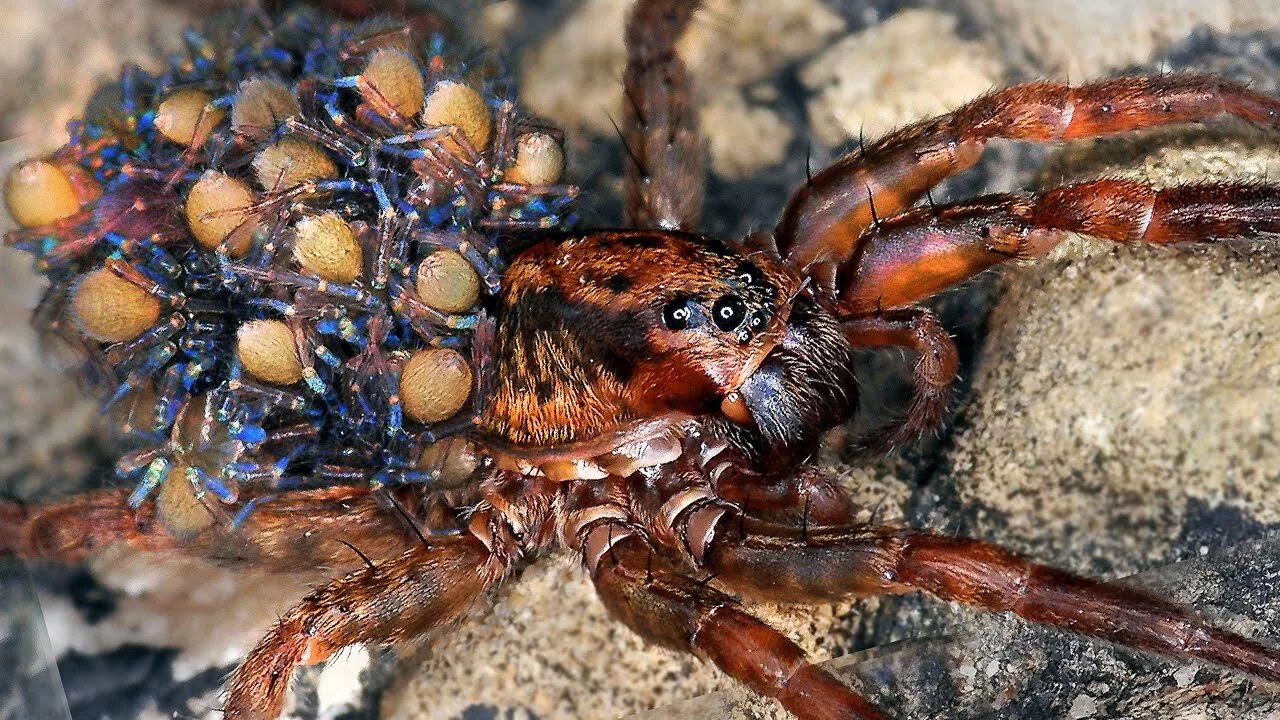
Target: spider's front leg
pixel 824 220
pixel 912 256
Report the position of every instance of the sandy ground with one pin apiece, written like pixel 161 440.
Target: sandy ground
pixel 1117 413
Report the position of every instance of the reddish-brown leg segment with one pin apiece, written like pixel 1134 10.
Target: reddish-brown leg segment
pixel 824 219
pixel 922 252
pixel 646 593
pixel 423 589
pixel 299 531
pixel 937 361
pixel 666 163
pixel 781 564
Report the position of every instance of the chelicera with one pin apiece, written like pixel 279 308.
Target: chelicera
pixel 444 375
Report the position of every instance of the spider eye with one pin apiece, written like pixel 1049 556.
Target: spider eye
pixel 678 314
pixel 728 312
pixel 748 274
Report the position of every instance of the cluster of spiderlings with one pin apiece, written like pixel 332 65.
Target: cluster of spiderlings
pixel 272 257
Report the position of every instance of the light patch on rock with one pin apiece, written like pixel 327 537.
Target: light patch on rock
pixel 743 138
pixel 563 656
pixel 338 688
pixel 1186 675
pixel 52 84
pixel 1089 38
pixel 574 76
pixel 1084 706
pixel 911 66
pixel 735 42
pixel 211 615
pixel 497 20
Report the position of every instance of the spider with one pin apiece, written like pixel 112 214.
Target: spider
pixel 645 398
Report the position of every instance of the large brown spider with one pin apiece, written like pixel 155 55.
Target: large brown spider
pixel 658 393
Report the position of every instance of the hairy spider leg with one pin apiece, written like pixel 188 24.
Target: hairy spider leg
pixel 766 560
pixel 300 531
pixel 825 218
pixel 666 160
pixel 920 253
pixel 425 588
pixel 912 256
pixel 641 588
pixel 772 562
pixel 937 363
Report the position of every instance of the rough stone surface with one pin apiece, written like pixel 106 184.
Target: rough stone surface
pixel 910 67
pixel 1090 38
pixel 1122 417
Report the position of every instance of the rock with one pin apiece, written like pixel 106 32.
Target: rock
pixel 46 85
pixel 744 138
pixel 910 67
pixel 1120 385
pixel 1081 40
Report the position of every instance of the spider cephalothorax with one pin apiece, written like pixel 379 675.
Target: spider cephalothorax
pixel 329 283
pixel 599 334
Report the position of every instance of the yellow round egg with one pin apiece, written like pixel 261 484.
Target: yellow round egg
pixel 459 105
pixel 453 461
pixel 38 193
pixel 261 104
pixel 186 117
pixel 539 160
pixel 292 161
pixel 179 506
pixel 396 78
pixel 326 245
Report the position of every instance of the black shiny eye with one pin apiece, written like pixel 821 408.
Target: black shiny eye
pixel 748 274
pixel 678 313
pixel 759 320
pixel 729 312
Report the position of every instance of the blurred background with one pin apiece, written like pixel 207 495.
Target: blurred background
pixel 1117 415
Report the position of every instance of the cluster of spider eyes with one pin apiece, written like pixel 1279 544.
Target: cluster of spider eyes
pixel 729 312
pixel 285 239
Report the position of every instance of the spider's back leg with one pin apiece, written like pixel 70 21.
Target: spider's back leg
pixel 665 163
pixel 299 531
pixel 786 562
